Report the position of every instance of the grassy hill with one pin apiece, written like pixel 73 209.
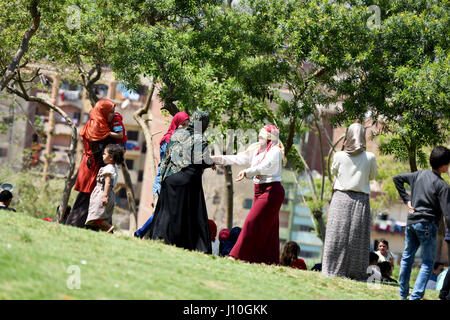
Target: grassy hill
pixel 36 258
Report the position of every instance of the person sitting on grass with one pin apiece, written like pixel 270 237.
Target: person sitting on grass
pixel 5 200
pixel 289 256
pixel 383 252
pixel 213 233
pixel 373 271
pixel 373 259
pixel 101 203
pixel 386 272
pixel 227 245
pixel 437 269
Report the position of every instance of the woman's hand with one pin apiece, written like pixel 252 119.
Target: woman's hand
pixel 105 200
pixel 217 159
pixel 241 175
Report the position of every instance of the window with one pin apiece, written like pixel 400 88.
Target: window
pixel 305 228
pixel 130 163
pixel 248 203
pixel 144 147
pixel 100 90
pixel 77 115
pixel 140 175
pixel 133 135
pixel 3 152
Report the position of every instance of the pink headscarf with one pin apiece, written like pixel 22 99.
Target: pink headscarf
pixel 176 121
pixel 271 134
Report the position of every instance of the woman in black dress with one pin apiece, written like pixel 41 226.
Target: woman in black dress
pixel 180 216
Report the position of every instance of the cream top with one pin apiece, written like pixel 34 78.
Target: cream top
pixel 353 173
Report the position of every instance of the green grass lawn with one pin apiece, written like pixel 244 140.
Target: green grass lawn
pixel 36 258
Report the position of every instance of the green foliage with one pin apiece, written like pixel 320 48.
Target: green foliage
pixel 403 80
pixel 31 194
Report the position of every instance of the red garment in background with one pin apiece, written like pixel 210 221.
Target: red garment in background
pixel 87 175
pixel 178 119
pixel 299 264
pixel 259 240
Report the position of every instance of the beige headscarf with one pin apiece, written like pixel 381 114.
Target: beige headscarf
pixel 355 140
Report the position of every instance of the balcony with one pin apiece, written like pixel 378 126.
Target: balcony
pixel 60 129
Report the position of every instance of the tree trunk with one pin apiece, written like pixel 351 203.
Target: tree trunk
pixel 318 216
pixel 412 157
pixel 146 126
pixel 228 173
pixel 130 198
pixel 51 128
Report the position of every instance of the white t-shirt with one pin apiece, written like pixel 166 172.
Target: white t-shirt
pixel 353 173
pixel 113 171
pixel 261 170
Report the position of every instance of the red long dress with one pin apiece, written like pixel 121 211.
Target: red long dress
pixel 259 240
pixel 86 176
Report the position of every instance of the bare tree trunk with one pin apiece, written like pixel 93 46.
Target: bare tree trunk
pixel 228 173
pixel 51 128
pixel 412 157
pixel 318 216
pixel 130 197
pixel 89 80
pixel 146 125
pixel 23 49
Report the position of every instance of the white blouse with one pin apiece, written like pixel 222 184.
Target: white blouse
pixel 353 173
pixel 111 169
pixel 268 170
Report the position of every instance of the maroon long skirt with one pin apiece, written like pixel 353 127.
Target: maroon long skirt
pixel 259 240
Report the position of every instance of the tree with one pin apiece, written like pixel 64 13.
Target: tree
pixel 186 56
pixel 310 42
pixel 402 78
pixel 16 17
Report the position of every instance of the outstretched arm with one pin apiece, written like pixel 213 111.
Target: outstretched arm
pixel 240 159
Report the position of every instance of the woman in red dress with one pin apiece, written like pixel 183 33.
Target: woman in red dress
pixel 259 240
pixel 95 135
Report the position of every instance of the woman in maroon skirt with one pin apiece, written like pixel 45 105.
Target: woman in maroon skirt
pixel 259 240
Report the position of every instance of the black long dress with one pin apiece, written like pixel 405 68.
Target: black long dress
pixel 180 216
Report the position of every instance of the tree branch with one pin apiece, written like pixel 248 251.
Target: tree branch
pixel 23 49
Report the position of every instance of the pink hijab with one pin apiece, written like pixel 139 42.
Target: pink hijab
pixel 176 121
pixel 271 134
